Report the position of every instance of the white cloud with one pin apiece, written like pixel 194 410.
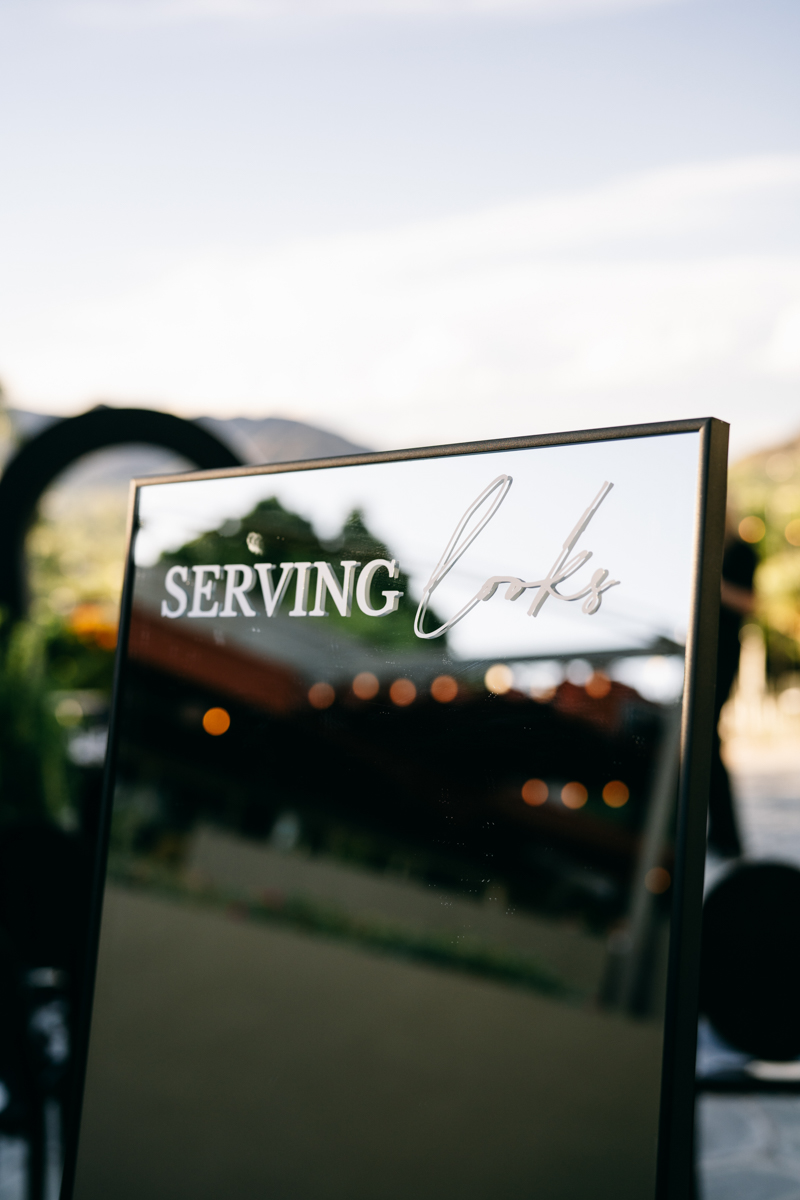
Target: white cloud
pixel 575 310
pixel 782 352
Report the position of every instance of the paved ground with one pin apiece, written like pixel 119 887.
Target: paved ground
pixel 13 1169
pixel 749 1146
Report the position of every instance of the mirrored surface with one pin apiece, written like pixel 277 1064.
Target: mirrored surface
pixel 387 910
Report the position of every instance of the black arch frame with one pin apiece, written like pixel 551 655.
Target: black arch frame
pixel 40 460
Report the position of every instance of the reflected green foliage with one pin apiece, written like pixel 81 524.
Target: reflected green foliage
pixel 288 537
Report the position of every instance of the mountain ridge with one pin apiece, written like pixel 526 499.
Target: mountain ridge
pixel 256 440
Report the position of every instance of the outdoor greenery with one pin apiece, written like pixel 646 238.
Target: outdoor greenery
pixel 76 551
pixel 38 663
pixel 766 486
pixel 34 772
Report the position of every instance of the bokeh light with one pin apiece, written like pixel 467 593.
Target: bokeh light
pixel 321 695
pixel 499 679
pixel 216 721
pixel 598 686
pixel 539 679
pixel 69 712
pixel 616 793
pixel 788 701
pixel 658 678
pixel 792 532
pixel 402 693
pixel 444 689
pixel 574 795
pixel 780 466
pixel 365 685
pixel 752 529
pixel 579 671
pixel 96 623
pixel 535 792
pixel 657 880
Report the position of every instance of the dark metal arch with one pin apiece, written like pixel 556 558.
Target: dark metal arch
pixel 39 461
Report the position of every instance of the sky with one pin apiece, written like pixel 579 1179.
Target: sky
pixel 410 221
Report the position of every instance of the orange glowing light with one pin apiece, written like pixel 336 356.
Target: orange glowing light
pixel 216 721
pixel 444 689
pixel 574 795
pixel 657 880
pixel 365 685
pixel 792 532
pixel 402 693
pixel 94 622
pixel 321 695
pixel 598 686
pixel 752 529
pixel 615 794
pixel 535 792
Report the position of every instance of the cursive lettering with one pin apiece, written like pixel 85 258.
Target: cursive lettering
pixel 562 569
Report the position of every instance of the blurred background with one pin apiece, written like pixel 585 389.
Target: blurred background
pixel 336 224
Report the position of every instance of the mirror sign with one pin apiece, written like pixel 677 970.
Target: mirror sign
pixel 240 578
pixel 434 961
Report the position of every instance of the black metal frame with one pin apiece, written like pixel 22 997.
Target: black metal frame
pixel 41 459
pixel 745 1085
pixel 674 1175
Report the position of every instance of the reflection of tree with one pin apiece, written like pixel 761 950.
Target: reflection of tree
pixel 288 537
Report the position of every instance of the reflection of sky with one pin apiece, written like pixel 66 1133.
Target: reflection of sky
pixel 642 533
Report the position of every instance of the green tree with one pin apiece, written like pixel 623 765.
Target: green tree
pixel 284 536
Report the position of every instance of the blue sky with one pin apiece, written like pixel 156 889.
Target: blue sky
pixel 412 222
